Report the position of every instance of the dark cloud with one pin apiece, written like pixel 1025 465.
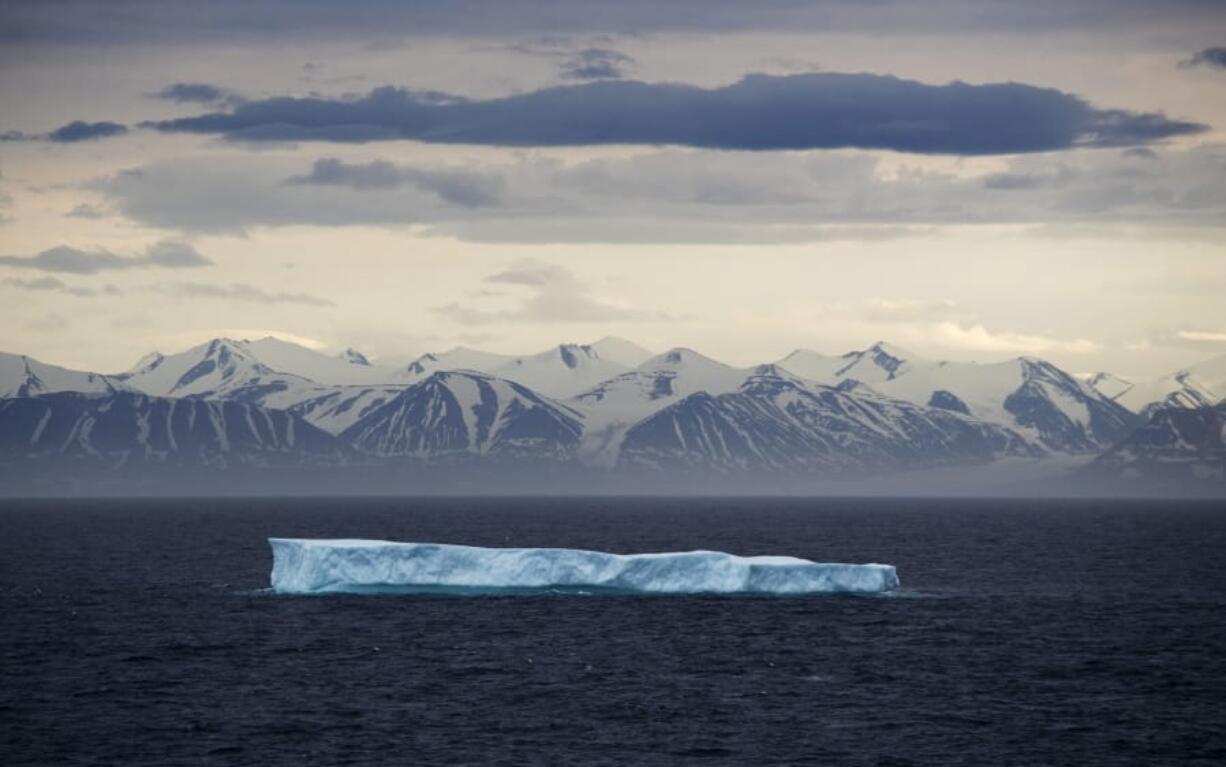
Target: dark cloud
pixel 118 22
pixel 463 188
pixel 167 254
pixel 80 130
pixel 760 112
pixel 245 293
pixel 1215 58
pixel 196 93
pixel 596 64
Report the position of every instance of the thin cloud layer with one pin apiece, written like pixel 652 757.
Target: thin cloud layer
pixel 554 295
pixel 759 112
pixel 166 254
pixel 244 293
pixel 596 64
pixel 465 188
pixel 55 285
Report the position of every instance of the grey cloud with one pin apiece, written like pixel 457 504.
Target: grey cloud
pixel 759 112
pixel 168 254
pixel 245 293
pixel 173 254
pixel 69 260
pixel 1214 58
pixel 54 285
pixel 464 188
pixel 531 275
pixel 695 196
pixel 554 295
pixel 84 210
pixel 1027 180
pixel 80 130
pixel 596 64
pixel 196 93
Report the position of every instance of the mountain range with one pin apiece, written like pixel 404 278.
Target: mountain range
pixel 609 410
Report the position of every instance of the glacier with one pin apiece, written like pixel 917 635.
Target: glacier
pixel 318 566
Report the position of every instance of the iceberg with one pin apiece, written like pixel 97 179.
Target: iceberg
pixel 317 566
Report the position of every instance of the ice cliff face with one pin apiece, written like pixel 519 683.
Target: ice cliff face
pixel 359 566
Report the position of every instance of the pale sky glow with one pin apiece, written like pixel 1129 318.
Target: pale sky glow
pixel 1103 249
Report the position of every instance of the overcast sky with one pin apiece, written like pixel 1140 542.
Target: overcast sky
pixel 970 180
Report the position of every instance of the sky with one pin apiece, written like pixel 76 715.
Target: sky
pixel 968 180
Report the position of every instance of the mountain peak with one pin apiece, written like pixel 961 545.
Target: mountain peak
pixel 891 350
pixel 148 362
pixel 354 357
pixel 621 351
pixel 800 352
pixel 676 356
pixel 572 355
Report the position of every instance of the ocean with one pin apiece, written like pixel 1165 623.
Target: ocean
pixel 139 632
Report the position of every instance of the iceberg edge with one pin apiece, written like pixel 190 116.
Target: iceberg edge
pixel 355 566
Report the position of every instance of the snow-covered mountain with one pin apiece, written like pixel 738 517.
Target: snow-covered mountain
pixel 1196 386
pixel 613 406
pixel 122 429
pixel 874 365
pixel 468 413
pixel 223 366
pixel 348 367
pixel 562 371
pixel 1030 395
pixel 22 376
pixel 779 423
pixel 354 357
pixel 1176 444
pixel 459 358
pixel 218 369
pixel 1109 385
pixel 332 408
pixel 623 352
pixel 881 409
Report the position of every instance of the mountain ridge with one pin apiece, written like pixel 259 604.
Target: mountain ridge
pixel 677 411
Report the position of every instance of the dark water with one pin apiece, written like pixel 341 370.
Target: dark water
pixel 1035 633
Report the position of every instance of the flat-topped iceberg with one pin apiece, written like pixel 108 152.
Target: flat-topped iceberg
pixel 309 566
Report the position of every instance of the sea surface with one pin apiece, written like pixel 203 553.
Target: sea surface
pixel 1027 633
